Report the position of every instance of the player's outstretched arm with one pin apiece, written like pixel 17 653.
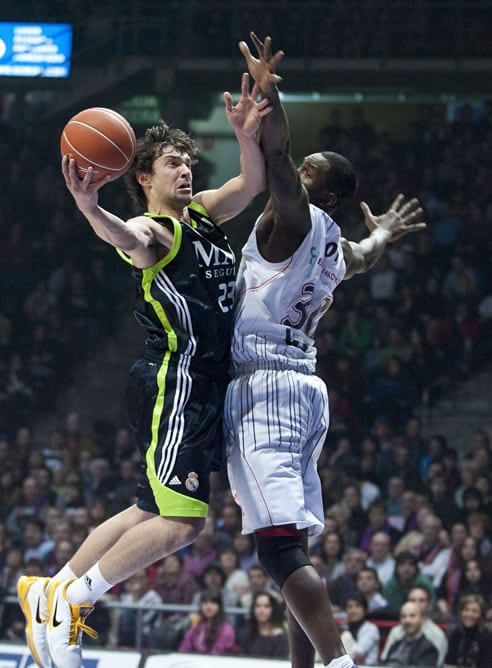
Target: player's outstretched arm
pixel 135 237
pixel 289 202
pixel 244 117
pixel 404 216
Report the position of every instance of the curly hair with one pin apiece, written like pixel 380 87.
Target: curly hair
pixel 149 148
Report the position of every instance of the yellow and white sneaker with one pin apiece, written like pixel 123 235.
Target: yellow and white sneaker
pixel 65 626
pixel 33 599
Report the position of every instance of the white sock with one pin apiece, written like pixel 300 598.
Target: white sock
pixel 64 573
pixel 341 662
pixel 89 588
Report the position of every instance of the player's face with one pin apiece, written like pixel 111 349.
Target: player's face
pixel 313 172
pixel 171 179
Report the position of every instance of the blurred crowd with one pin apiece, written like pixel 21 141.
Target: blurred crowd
pixel 406 553
pixel 408 536
pixel 329 29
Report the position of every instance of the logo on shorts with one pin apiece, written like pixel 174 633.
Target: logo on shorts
pixel 191 482
pixel 175 481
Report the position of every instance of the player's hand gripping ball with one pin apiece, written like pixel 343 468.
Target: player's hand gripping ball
pixel 99 138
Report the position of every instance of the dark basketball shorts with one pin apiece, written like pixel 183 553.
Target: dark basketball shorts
pixel 175 414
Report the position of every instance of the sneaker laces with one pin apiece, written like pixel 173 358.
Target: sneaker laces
pixel 79 626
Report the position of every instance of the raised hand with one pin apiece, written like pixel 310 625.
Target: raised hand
pixel 83 191
pixel 263 68
pixel 402 217
pixel 245 116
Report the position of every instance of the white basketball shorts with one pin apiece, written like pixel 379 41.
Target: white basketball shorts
pixel 275 425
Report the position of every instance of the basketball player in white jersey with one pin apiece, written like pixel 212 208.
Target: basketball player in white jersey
pixel 276 411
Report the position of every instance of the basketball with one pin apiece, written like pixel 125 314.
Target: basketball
pixel 99 138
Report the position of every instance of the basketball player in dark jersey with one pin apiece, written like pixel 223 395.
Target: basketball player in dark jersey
pixel 185 274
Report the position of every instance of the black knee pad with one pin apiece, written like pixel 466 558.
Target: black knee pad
pixel 280 555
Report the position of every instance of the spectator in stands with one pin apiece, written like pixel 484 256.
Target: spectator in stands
pixel 174 586
pixel 484 486
pixel 30 505
pixel 441 495
pixel 421 597
pixel 266 636
pixel 99 482
pixel 123 447
pixel 480 439
pixel 245 547
pixel 331 552
pixel 405 578
pixel 409 541
pixel 12 569
pixel 227 524
pixel 355 335
pixel 470 643
pixel 137 592
pixel 475 580
pixel 122 492
pixel 478 524
pixel 468 474
pixel 380 556
pixel 393 391
pixel 199 555
pixel 449 584
pixel 361 638
pixel 258 582
pixel 14 625
pixel 393 498
pixel 36 544
pixel 210 633
pixel 377 522
pixel 173 583
pixel 408 511
pixel 369 586
pixel 337 519
pixel 236 579
pixel 214 578
pixel 351 499
pixel 472 501
pixel 62 551
pixel 44 479
pixel 413 648
pixel 346 584
pixel 382 281
pixel 432 553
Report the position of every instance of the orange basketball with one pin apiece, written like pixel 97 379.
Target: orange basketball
pixel 99 138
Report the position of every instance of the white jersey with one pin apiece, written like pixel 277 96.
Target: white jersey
pixel 279 304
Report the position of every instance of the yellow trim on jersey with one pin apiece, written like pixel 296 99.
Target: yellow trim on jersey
pixel 124 256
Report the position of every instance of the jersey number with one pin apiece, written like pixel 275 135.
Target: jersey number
pixel 307 316
pixel 226 296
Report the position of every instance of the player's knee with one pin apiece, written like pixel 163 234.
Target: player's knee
pixel 182 531
pixel 280 555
